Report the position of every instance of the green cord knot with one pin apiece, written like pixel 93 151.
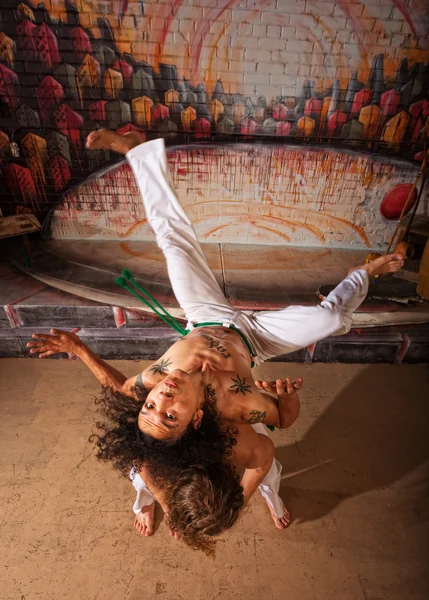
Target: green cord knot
pixel 127 274
pixel 127 280
pixel 121 281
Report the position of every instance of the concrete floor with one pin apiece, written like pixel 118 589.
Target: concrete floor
pixel 355 479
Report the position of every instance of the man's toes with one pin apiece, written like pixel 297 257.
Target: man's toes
pixel 149 531
pixel 285 520
pixel 91 138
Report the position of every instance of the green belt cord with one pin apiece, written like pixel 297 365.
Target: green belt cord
pixel 128 278
pixel 153 304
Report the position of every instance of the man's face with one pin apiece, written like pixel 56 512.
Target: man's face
pixel 171 406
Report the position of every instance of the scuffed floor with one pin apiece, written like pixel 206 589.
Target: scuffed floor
pixel 355 479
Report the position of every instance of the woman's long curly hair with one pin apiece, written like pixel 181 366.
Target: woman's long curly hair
pixel 202 488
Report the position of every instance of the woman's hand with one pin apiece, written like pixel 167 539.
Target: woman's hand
pixel 59 341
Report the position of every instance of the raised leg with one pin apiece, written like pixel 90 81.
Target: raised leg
pixel 194 285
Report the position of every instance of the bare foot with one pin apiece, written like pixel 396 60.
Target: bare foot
pixel 145 519
pixel 104 139
pixel 390 263
pixel 283 521
pixel 175 534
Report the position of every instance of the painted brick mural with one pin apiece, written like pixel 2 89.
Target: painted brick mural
pixel 345 74
pixel 308 197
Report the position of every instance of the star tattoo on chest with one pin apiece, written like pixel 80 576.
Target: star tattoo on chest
pixel 240 385
pixel 161 367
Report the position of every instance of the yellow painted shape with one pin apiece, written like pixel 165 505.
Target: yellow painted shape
pixel 238 113
pixel 369 116
pixel 89 72
pixel 34 143
pixel 113 83
pixel 6 48
pixel 142 110
pixel 25 11
pixel 325 106
pixel 35 149
pixel 394 129
pixel 4 141
pixel 259 113
pixel 217 109
pixel 187 117
pixel 305 126
pixel 324 112
pixel 171 97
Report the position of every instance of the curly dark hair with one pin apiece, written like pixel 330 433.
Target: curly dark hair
pixel 201 486
pixel 121 441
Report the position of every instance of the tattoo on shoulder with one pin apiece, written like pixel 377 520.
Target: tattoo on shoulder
pixel 240 385
pixel 162 367
pixel 256 416
pixel 210 394
pixel 139 382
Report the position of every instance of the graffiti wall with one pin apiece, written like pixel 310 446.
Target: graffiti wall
pixel 337 74
pixel 260 194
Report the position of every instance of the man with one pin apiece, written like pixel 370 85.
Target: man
pixel 207 445
pixel 213 360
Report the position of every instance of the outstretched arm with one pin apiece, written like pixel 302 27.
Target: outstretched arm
pixel 67 342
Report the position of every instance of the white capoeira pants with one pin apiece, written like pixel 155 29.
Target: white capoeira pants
pixel 269 486
pixel 269 333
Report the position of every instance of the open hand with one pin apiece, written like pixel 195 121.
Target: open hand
pixel 59 341
pixel 282 388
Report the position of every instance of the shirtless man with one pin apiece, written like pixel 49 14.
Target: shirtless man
pixel 216 357
pixel 181 394
pixel 214 360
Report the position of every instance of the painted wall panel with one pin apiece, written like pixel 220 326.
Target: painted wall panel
pixel 248 193
pixel 353 75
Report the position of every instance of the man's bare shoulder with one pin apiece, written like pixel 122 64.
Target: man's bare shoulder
pixel 243 402
pixel 236 391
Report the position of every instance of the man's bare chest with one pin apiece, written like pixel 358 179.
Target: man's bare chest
pixel 204 350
